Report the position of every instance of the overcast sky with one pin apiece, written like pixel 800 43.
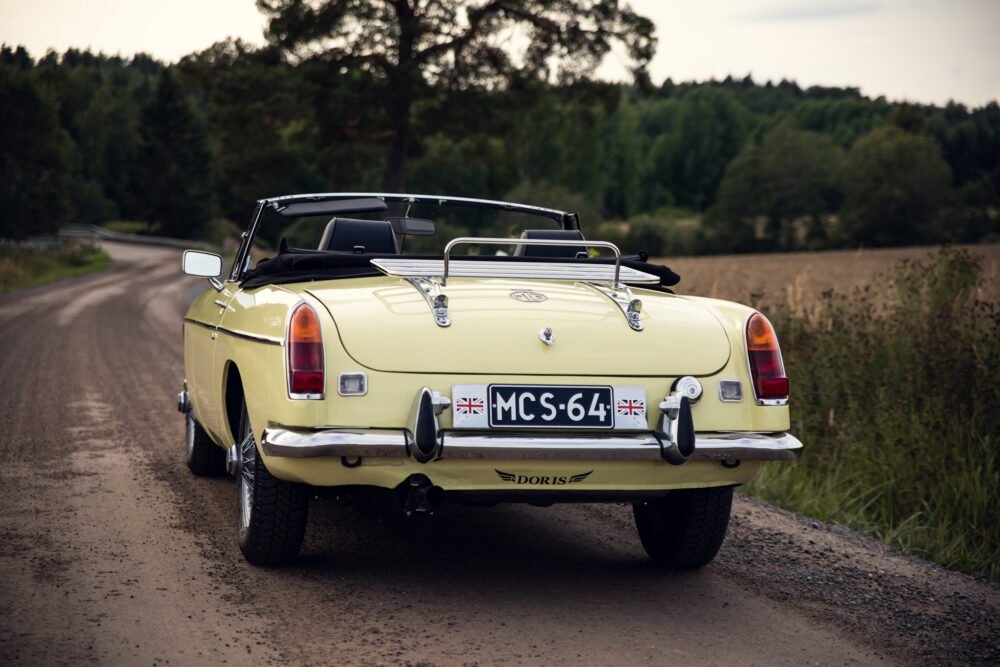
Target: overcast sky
pixel 918 50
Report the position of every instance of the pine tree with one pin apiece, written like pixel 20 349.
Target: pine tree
pixel 175 176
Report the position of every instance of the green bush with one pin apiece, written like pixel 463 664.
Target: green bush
pixel 895 396
pixel 665 232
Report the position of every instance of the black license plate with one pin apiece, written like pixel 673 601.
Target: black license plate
pixel 541 406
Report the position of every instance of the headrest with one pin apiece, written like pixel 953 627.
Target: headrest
pixel 551 250
pixel 361 236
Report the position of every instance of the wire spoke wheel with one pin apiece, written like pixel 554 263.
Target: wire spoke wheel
pixel 273 512
pixel 248 466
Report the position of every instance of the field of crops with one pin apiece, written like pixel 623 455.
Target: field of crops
pixel 798 279
pixel 892 357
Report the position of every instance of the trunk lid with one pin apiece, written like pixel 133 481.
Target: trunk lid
pixel 386 324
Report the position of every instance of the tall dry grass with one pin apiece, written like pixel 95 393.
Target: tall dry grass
pixel 896 396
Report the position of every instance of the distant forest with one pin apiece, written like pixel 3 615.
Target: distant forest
pixel 680 168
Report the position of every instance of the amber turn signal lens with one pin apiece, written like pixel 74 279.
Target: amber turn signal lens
pixel 760 335
pixel 305 326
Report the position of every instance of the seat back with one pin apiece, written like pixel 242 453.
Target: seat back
pixel 552 250
pixel 361 236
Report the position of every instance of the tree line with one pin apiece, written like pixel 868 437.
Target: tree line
pixel 720 166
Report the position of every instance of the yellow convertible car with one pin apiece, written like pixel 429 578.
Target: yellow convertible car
pixel 452 350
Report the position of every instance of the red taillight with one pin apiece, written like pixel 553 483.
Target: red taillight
pixel 766 367
pixel 306 368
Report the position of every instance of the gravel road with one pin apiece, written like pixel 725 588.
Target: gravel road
pixel 112 553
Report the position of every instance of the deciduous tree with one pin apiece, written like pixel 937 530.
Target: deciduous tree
pixel 416 44
pixel 895 183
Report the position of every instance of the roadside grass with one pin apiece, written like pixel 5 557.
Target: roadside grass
pixel 896 397
pixel 21 266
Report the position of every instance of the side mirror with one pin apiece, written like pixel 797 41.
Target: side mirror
pixel 201 264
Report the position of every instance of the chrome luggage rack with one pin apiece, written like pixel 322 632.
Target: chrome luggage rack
pixel 429 276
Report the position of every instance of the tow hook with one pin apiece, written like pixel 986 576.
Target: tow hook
pixel 675 429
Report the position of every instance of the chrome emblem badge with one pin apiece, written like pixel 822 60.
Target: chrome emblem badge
pixel 527 295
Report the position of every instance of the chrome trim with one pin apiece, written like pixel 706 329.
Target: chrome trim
pixel 298 444
pixel 424 435
pixel 436 300
pixel 772 401
pixel 239 262
pixel 392 443
pixel 205 325
pixel 566 220
pixel 222 304
pixel 747 446
pixel 237 334
pixel 184 400
pixel 234 460
pixel 437 200
pixel 469 240
pixel 689 386
pixel 404 267
pixel 675 429
pixel 622 297
pixel 288 373
pixel 257 339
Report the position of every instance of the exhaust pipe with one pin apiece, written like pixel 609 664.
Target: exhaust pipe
pixel 233 460
pixel 421 496
pixel 675 430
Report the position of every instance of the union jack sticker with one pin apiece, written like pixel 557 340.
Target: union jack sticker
pixel 630 407
pixel 470 406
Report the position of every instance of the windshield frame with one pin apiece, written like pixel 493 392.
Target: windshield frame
pixel 565 219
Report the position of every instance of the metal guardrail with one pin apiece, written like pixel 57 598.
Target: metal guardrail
pixel 95 233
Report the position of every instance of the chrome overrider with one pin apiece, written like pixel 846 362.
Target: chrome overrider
pixel 674 440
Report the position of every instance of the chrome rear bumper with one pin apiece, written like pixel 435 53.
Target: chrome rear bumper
pixel 359 442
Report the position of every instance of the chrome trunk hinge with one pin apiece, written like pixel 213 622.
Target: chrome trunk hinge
pixel 622 297
pixel 435 298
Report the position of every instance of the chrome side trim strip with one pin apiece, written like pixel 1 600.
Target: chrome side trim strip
pixel 392 443
pixel 251 337
pixel 237 334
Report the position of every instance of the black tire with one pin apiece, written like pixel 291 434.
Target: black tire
pixel 204 457
pixel 685 528
pixel 273 512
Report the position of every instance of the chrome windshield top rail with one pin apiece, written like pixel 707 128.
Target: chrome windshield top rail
pixel 434 200
pixel 474 240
